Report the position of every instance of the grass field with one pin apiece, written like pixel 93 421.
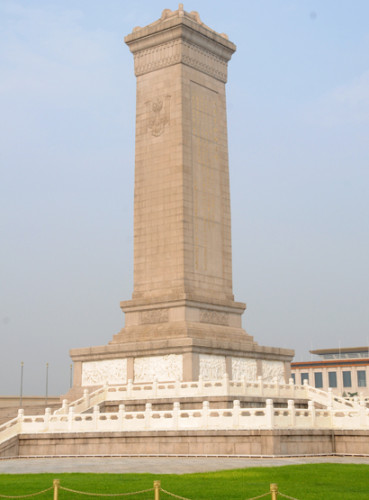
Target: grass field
pixel 304 482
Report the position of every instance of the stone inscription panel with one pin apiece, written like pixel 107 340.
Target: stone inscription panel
pixel 111 371
pixel 207 187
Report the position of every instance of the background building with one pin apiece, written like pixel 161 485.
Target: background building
pixel 344 370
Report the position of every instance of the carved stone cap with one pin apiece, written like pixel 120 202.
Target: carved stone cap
pixel 173 25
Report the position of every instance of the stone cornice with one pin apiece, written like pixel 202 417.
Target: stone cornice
pixel 180 40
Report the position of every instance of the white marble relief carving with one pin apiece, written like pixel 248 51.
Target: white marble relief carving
pixel 273 370
pixel 212 367
pixel 160 368
pixel 111 371
pixel 244 367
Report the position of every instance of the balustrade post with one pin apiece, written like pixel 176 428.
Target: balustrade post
pixel 236 414
pixel 226 383
pixel 71 418
pixel 244 385
pixel 330 399
pixel 148 412
pixel 291 384
pixel 200 386
pixel 178 387
pixel 86 398
pixel 64 407
pixel 278 386
pixel 269 413
pixel 361 398
pixel 291 412
pixel 155 387
pixel 363 415
pixel 47 419
pixel 121 412
pixel 205 414
pixel 261 385
pixel 105 389
pixel 20 419
pixel 176 409
pixel 311 409
pixel 129 388
pixel 96 415
pixel 306 388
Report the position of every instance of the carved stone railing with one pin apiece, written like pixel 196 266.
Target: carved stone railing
pixel 200 419
pixel 204 389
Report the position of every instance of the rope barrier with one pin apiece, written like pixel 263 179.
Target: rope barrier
pixel 260 496
pixel 28 496
pixel 130 493
pixel 173 494
pixel 105 494
pixel 286 496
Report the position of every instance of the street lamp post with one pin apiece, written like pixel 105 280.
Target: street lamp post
pixel 21 387
pixel 47 383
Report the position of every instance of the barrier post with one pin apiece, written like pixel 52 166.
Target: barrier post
pixel 156 490
pixel 86 397
pixel 56 484
pixel 273 491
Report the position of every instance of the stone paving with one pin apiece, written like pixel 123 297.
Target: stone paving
pixel 155 465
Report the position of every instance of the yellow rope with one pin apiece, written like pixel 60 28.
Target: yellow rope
pixel 260 496
pixel 27 496
pixel 173 495
pixel 286 496
pixel 105 494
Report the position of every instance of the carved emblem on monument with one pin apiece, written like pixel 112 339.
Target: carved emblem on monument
pixel 158 115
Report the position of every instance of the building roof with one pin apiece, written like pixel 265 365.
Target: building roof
pixel 340 350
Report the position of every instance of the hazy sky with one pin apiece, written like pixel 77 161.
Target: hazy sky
pixel 298 124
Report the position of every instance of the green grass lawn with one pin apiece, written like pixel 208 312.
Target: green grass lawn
pixel 304 482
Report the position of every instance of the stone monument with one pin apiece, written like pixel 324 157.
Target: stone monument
pixel 182 321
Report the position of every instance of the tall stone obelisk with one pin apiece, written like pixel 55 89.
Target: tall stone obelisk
pixel 182 321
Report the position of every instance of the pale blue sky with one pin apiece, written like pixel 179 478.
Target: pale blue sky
pixel 298 124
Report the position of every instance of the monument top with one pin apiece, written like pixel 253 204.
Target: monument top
pixel 175 24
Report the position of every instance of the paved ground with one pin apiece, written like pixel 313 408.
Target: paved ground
pixel 154 465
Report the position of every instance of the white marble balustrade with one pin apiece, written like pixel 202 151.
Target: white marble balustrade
pixel 204 389
pixel 178 419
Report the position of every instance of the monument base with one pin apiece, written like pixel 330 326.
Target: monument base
pixel 178 340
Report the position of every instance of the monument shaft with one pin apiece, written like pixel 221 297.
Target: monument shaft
pixel 182 240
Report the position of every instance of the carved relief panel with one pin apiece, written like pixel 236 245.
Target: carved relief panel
pixel 272 370
pixel 160 368
pixel 111 371
pixel 244 367
pixel 212 367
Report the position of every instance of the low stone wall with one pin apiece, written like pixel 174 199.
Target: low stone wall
pixel 255 442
